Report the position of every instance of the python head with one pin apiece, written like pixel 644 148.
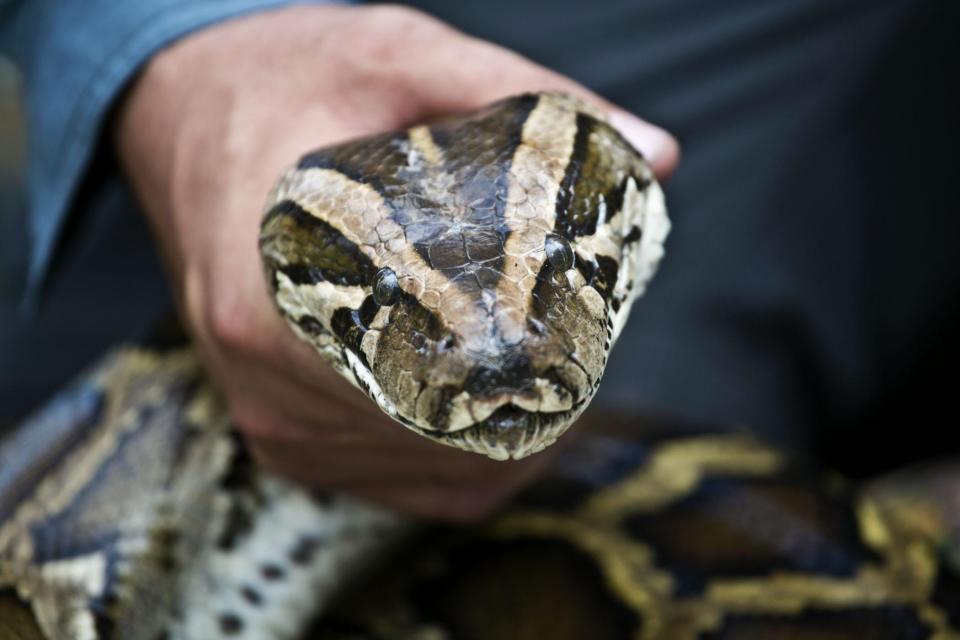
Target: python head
pixel 471 275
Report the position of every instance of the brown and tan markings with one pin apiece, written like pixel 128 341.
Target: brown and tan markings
pixel 657 531
pixel 148 520
pixel 493 258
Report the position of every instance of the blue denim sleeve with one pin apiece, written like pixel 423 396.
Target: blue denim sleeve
pixel 75 56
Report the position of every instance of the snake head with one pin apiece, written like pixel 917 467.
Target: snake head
pixel 472 275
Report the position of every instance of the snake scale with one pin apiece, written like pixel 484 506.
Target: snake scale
pixel 470 276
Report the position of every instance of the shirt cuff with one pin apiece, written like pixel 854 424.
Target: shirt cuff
pixel 76 57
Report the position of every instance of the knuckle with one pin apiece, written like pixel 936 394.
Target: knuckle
pixel 389 30
pixel 260 427
pixel 401 17
pixel 214 317
pixel 229 329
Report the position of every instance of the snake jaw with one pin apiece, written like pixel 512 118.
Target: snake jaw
pixel 509 433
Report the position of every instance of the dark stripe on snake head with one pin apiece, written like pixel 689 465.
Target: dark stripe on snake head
pixel 591 191
pixel 313 250
pixel 601 274
pixel 463 237
pixel 349 325
pixel 572 222
pixel 379 161
pixel 349 328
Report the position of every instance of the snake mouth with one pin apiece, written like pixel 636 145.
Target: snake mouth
pixel 510 432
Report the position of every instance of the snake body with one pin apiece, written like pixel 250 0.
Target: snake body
pixel 470 276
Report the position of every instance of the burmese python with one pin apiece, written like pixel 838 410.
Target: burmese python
pixel 471 277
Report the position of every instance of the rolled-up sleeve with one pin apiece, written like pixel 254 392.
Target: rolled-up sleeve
pixel 75 56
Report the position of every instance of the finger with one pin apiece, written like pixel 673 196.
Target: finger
pixel 479 72
pixel 375 463
pixel 281 413
pixel 417 482
pixel 248 344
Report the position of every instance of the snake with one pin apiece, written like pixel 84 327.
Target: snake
pixel 470 275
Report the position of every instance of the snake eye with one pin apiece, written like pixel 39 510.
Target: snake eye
pixel 386 288
pixel 559 252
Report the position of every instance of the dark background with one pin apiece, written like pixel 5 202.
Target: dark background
pixel 811 288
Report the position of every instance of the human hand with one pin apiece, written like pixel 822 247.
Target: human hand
pixel 202 135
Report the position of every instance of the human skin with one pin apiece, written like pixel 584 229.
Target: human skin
pixel 202 135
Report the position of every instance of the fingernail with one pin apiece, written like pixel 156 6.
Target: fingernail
pixel 653 142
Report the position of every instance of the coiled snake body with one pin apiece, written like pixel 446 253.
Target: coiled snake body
pixel 471 277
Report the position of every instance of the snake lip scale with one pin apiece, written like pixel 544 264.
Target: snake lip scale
pixel 509 432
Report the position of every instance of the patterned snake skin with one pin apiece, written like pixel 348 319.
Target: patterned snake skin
pixel 471 277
